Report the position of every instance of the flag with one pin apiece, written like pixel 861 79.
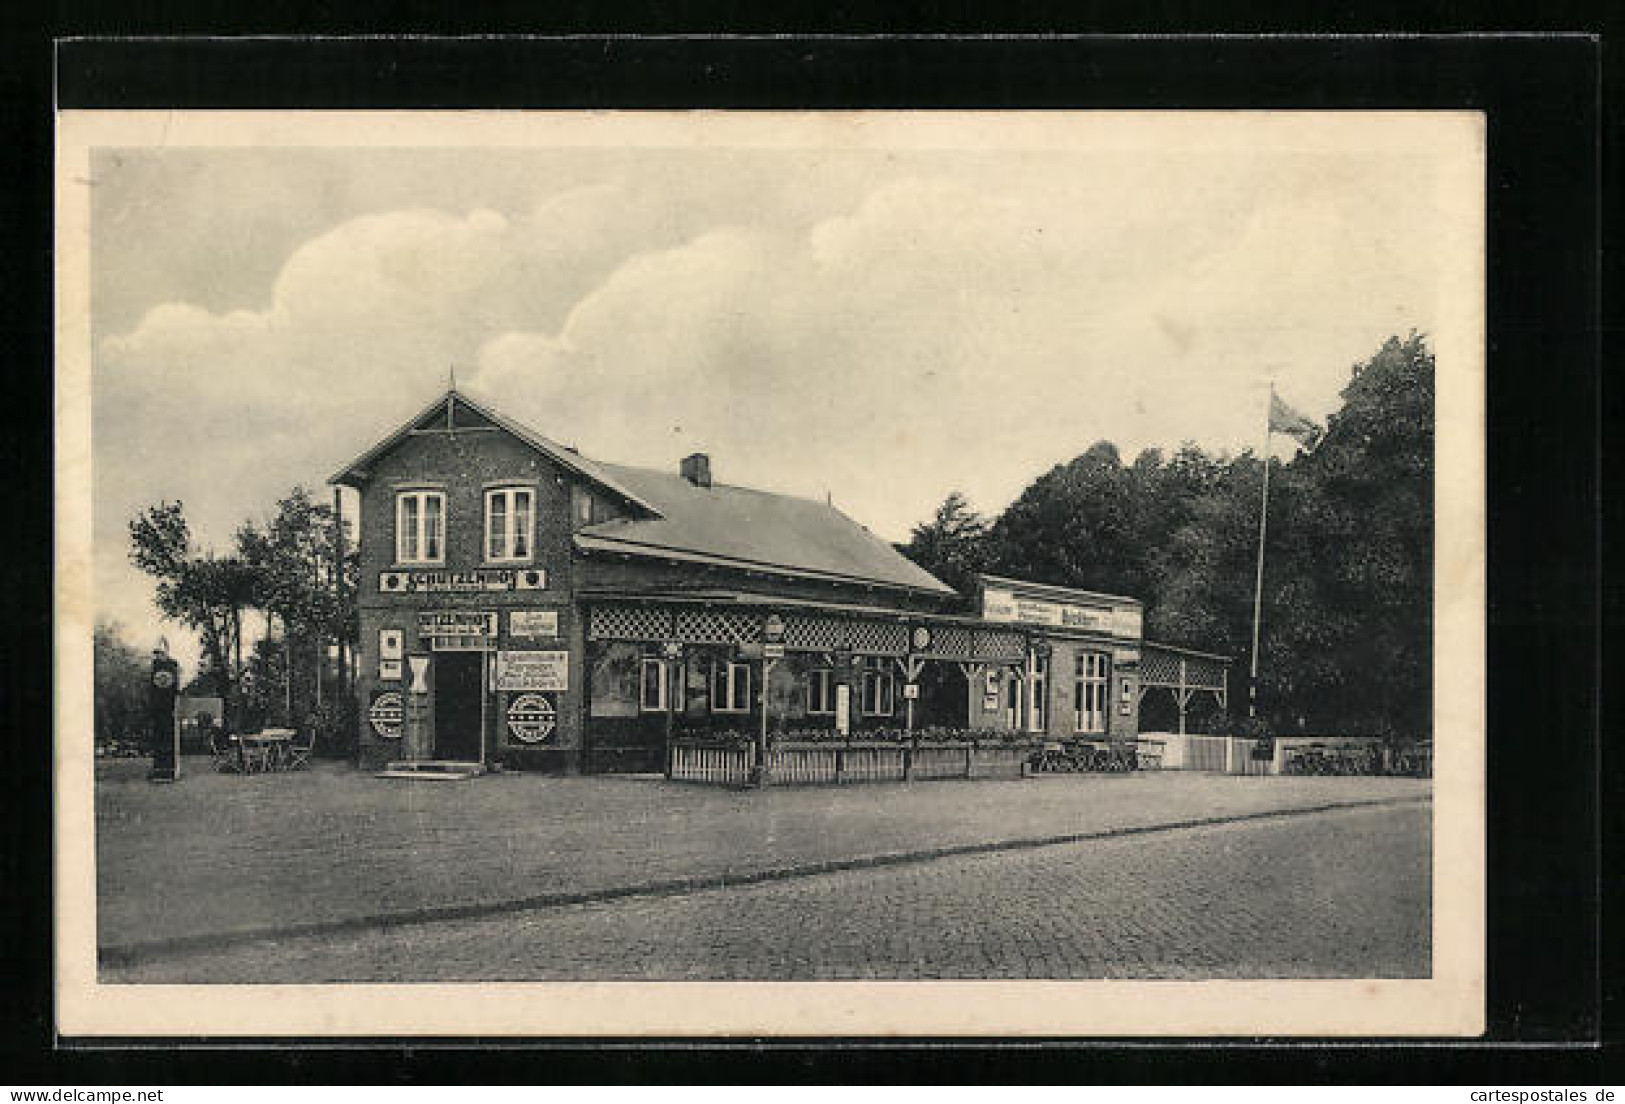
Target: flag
pixel 1283 419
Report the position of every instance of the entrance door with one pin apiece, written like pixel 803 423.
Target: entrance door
pixel 457 705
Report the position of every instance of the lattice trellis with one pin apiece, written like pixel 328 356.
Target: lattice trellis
pixel 629 623
pixel 1008 647
pixel 877 637
pixel 952 642
pixel 1161 668
pixel 1158 668
pixel 813 634
pixel 704 626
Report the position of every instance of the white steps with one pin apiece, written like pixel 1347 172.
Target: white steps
pixel 433 770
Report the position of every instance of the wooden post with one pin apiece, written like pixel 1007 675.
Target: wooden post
pixel 763 774
pixel 1183 697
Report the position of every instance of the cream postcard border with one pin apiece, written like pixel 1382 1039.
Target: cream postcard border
pixel 1451 1003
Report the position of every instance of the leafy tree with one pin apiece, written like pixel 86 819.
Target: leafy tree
pixel 119 685
pixel 205 592
pixel 951 544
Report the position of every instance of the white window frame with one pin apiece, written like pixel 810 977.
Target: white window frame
pixel 1038 694
pixel 662 680
pixel 877 674
pixel 1092 684
pixel 734 674
pixel 823 677
pixel 420 529
pixel 509 530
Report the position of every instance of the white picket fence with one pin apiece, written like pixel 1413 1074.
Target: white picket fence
pixel 718 764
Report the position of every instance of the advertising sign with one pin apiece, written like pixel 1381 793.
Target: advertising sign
pixel 462 582
pixel 911 691
pixel 533 670
pixel 773 629
pixel 1006 606
pixel 843 708
pixel 389 670
pixel 532 718
pixel 389 643
pixel 534 623
pixel 481 623
pixel 385 714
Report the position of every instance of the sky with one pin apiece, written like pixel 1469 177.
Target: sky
pixel 879 325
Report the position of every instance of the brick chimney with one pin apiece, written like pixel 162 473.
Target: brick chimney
pixel 696 469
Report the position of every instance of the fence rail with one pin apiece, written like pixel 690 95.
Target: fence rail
pixel 821 764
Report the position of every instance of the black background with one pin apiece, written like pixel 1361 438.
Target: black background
pixel 1542 96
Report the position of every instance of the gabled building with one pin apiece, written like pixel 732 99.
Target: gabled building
pixel 524 604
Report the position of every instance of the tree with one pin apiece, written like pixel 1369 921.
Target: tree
pixel 200 590
pixel 293 555
pixel 120 685
pixel 950 545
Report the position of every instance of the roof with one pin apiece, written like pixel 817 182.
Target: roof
pixel 451 404
pixel 739 527
pixel 753 600
pixel 720 525
pixel 1153 645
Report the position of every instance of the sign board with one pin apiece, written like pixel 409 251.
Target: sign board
pixel 920 638
pixel 389 670
pixel 1128 621
pixel 532 718
pixel 420 673
pixel 911 691
pixel 462 582
pixel 990 703
pixel 533 671
pixel 772 651
pixel 843 708
pixel 672 649
pixel 773 629
pixel 1124 709
pixel 1007 606
pixel 533 623
pixel 390 643
pixel 385 714
pixel 1128 690
pixel 482 623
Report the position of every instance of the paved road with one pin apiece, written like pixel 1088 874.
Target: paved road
pixel 1341 893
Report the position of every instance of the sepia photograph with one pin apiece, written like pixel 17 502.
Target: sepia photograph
pixel 776 573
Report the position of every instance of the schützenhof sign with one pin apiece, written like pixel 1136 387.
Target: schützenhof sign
pixel 462 582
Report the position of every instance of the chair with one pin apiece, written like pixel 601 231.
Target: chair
pixel 297 752
pixel 223 750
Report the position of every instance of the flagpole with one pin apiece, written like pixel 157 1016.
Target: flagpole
pixel 1258 581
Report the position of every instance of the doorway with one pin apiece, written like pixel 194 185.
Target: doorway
pixel 458 711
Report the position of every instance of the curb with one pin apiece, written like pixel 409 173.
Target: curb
pixel 129 954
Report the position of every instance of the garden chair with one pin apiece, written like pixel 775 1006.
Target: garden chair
pixel 223 751
pixel 298 751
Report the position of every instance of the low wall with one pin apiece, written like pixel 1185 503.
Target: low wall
pixel 810 763
pixel 1234 754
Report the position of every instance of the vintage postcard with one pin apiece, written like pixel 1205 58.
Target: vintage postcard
pixel 565 574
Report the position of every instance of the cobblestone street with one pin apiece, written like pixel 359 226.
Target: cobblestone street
pixel 1337 893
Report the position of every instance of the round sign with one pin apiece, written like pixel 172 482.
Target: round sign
pixel 531 718
pixel 163 679
pixel 773 629
pixel 922 638
pixel 385 715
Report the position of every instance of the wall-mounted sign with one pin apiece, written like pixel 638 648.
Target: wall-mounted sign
pixel 420 673
pixel 843 708
pixel 1007 606
pixel 773 629
pixel 462 582
pixel 481 623
pixel 994 677
pixel 533 623
pixel 920 638
pixel 389 643
pixel 672 649
pixel 990 703
pixel 532 718
pixel 773 651
pixel 1128 690
pixel 533 671
pixel 1123 709
pixel 1128 621
pixel 385 714
pixel 389 670
pixel 911 691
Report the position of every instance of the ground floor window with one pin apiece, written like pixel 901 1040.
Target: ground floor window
pixel 730 687
pixel 652 694
pixel 821 690
pixel 1090 694
pixel 879 687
